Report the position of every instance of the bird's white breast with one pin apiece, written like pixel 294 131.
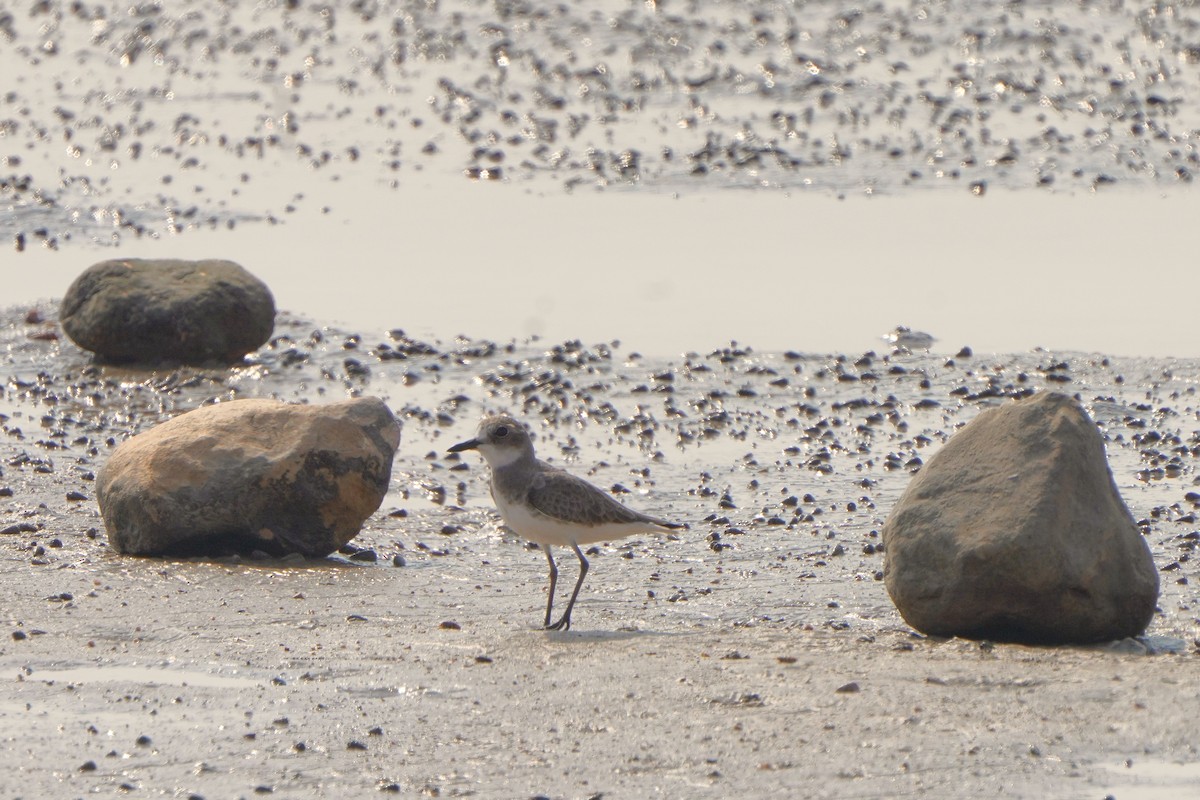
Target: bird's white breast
pixel 542 529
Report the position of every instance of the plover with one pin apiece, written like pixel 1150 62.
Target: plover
pixel 905 338
pixel 546 505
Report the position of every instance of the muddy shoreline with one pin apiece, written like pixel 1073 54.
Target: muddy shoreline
pixel 756 651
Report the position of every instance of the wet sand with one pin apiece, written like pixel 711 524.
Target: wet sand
pixel 756 652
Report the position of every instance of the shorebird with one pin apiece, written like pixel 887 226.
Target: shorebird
pixel 551 507
pixel 904 337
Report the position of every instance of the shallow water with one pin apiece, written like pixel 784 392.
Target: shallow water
pixel 1006 273
pixel 155 676
pixel 1153 779
pixel 337 154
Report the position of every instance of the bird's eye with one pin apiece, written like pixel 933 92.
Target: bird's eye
pixel 501 432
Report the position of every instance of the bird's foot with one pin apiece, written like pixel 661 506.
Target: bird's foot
pixel 563 624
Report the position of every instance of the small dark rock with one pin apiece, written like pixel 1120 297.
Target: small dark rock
pixel 168 310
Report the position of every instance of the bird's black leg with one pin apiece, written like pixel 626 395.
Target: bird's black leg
pixel 553 583
pixel 564 623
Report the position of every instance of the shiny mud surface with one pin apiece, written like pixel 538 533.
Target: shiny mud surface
pixel 1016 175
pixel 123 121
pixel 769 609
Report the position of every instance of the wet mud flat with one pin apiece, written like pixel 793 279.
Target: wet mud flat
pixel 126 121
pixel 757 651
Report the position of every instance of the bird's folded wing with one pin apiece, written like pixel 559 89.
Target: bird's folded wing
pixel 564 497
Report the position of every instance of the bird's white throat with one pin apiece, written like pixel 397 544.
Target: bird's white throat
pixel 499 457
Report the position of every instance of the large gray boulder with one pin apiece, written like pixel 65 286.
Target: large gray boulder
pixel 168 310
pixel 250 475
pixel 1015 531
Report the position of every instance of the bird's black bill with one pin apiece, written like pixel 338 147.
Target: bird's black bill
pixel 469 444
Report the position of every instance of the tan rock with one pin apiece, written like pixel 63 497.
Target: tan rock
pixel 250 475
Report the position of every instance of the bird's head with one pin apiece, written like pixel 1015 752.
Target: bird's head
pixel 500 439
